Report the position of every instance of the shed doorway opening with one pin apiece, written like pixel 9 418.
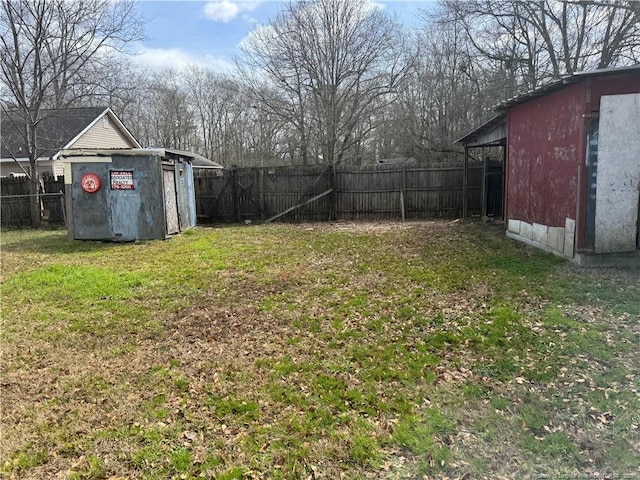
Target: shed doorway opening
pixel 486 147
pixel 170 199
pixel 491 161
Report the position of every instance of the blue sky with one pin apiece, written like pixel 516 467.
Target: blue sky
pixel 208 33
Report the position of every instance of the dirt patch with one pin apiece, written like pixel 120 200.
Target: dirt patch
pixel 373 227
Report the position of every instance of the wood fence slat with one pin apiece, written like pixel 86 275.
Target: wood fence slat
pixel 358 193
pixel 256 194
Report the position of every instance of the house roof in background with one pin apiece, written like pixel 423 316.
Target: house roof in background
pixel 57 130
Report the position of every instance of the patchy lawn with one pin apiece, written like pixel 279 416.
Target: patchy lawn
pixel 423 350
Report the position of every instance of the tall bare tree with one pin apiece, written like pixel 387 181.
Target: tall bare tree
pixel 444 96
pixel 222 111
pixel 334 62
pixel 545 39
pixel 54 54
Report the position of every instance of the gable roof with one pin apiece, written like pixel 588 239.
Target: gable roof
pixel 59 129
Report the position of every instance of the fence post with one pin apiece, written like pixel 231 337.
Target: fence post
pixel 332 198
pixel 465 184
pixel 403 188
pixel 235 195
pixel 262 199
pixel 483 205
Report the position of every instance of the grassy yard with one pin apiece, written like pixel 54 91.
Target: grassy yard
pixel 427 350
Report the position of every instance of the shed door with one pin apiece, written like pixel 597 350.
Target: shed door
pixel 170 200
pixel 618 175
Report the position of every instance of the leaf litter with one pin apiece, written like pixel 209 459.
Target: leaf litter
pixel 285 370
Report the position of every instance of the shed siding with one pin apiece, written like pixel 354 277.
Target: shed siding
pixel 619 84
pixel 114 214
pixel 545 149
pixel 103 135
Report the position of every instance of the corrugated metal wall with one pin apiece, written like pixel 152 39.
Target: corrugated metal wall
pixel 544 152
pixel 548 181
pixel 143 197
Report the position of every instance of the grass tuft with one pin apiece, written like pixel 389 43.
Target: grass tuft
pixel 344 351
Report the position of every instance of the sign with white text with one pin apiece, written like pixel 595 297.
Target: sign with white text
pixel 121 179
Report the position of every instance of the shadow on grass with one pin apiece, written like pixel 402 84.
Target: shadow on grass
pixel 614 289
pixel 53 241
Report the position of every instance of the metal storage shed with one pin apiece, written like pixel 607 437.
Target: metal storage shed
pixel 128 194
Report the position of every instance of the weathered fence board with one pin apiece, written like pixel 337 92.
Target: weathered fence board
pixel 256 194
pixel 371 193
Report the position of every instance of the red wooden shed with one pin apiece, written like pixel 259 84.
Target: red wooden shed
pixel 572 166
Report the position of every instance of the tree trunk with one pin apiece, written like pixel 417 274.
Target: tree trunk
pixel 34 199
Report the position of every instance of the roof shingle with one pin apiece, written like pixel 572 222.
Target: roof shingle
pixel 57 129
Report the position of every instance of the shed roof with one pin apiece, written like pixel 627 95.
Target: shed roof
pixel 563 82
pixel 490 133
pixel 196 159
pixel 493 131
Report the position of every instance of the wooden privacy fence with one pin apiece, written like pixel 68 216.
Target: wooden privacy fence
pixel 15 201
pixel 315 193
pixel 293 194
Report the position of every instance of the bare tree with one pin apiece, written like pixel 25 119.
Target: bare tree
pixel 476 53
pixel 169 119
pixel 445 94
pixel 334 62
pixel 127 94
pixel 271 57
pixel 545 39
pixel 222 111
pixel 268 134
pixel 54 54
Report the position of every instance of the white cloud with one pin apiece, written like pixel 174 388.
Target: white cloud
pixel 223 11
pixel 226 10
pixel 161 58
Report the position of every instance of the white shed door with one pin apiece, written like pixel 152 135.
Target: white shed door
pixel 618 176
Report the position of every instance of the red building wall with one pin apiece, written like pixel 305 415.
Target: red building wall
pixel 618 84
pixel 545 146
pixel 546 175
